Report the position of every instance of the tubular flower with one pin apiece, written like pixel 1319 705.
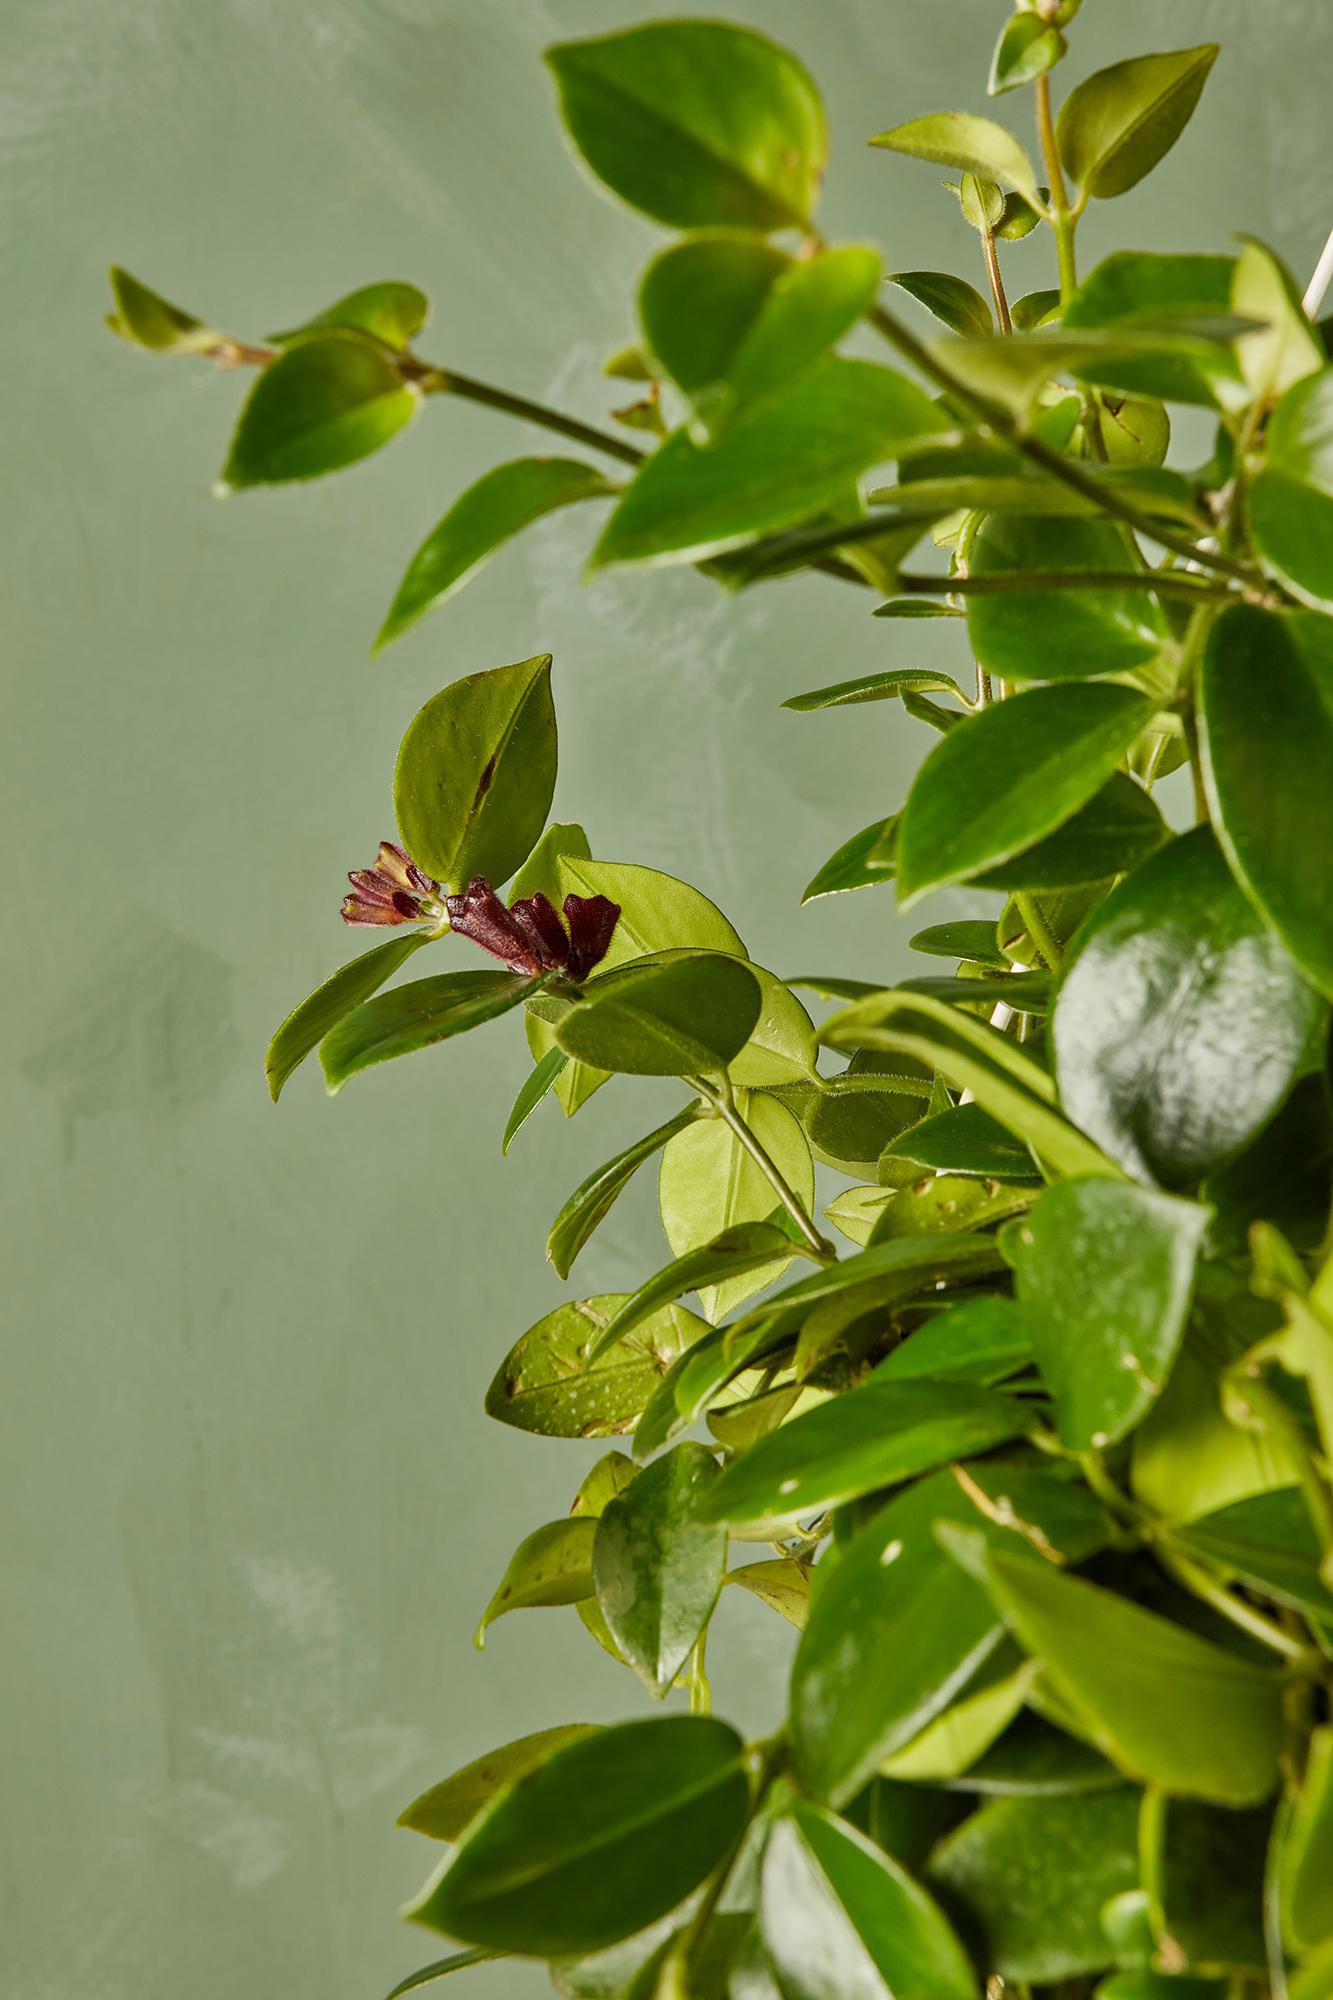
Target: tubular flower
pixel 529 935
pixel 394 891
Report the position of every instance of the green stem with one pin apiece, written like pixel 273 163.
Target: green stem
pixel 448 382
pixel 720 1097
pixel 1063 217
pixel 1005 424
pixel 1170 583
pixel 1244 1616
pixel 701 1695
pixel 997 292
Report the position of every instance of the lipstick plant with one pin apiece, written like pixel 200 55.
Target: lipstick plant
pixel 1025 1435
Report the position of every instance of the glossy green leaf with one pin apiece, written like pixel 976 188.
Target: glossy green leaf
pixel 877 687
pixel 1029 47
pixel 306 1026
pixel 1105 1274
pixel 1166 1706
pixel 709 1184
pixel 1266 735
pixel 447 1810
pixel 1118 827
pixel 1181 1023
pixel 1291 500
pixel 972 939
pixel 499 505
pixel 735 321
pixel 842 1921
pixel 1203 1871
pixel 592 1201
pixel 390 311
pixel 541 1079
pixel 323 404
pixel 1056 635
pixel 880 1434
pixel 965 1140
pixel 476 772
pixel 946 1202
pixel 603 1838
pixel 416 1016
pixel 954 302
pixel 145 319
pixel 657 1568
pixel 747 1247
pixel 781 1047
pixel 551 1383
pixel 863 862
pixel 896 1630
pixel 551 1566
pixel 1284 348
pixel 1034 1875
pixel 1009 776
pixel 1117 124
pixel 958 139
pixel 782 464
pixel 458 1961
pixel 980 1340
pixel 696 123
pixel 1305 1864
pixel 681 1013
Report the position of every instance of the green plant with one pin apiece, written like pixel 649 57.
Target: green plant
pixel 1041 1467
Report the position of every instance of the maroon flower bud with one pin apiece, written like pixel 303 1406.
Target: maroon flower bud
pixel 394 891
pixel 528 936
pixel 592 921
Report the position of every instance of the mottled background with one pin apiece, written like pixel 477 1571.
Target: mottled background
pixel 254 1506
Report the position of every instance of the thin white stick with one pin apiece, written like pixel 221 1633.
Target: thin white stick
pixel 1320 282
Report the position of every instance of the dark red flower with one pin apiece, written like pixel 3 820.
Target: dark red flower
pixel 394 891
pixel 528 935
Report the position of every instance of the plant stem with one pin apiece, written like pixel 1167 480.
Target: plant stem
pixel 448 382
pixel 1172 583
pixel 1005 424
pixel 1244 1616
pixel 1063 217
pixel 701 1695
pixel 997 293
pixel 723 1103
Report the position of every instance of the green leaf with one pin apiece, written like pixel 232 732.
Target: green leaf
pixel 1285 347
pixel 876 1436
pixel 747 1247
pixel 864 862
pixel 550 1382
pixel 1305 1863
pixel 551 1566
pixel 735 321
pixel 391 311
pixel 1104 1325
pixel 781 1048
pixel 958 139
pixel 1266 736
pixel 658 1570
pixel 915 607
pixel 708 1185
pixel 1291 500
pixel 501 503
pixel 476 773
pixel 447 1810
pixel 1034 1760
pixel 1009 776
pixel 145 319
pixel 780 465
pixel 970 939
pixel 1117 124
pixel 1034 310
pixel 1024 992
pixel 965 1140
pixel 842 1921
pixel 677 1013
pixel 1266 1542
pixel 324 404
pixel 306 1026
pixel 980 1340
pixel 696 122
pixel 1166 1706
pixel 896 1631
pixel 1181 1023
pixel 1178 356
pixel 592 1201
pixel 606 1836
pixel 416 1016
pixel 541 1079
pixel 1029 47
pixel 954 302
pixel 784 1585
pixel 458 1961
pixel 1203 1870
pixel 1056 635
pixel 1119 826
pixel 877 687
pixel 1034 1875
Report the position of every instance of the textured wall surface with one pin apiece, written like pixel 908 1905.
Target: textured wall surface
pixel 253 1506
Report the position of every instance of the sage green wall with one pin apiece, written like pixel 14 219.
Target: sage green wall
pixel 254 1506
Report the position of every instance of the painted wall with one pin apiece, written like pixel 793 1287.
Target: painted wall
pixel 254 1507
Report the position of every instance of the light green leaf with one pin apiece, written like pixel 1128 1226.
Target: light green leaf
pixel 1266 734
pixel 747 1247
pixel 1052 635
pixel 541 1079
pixel 550 1383
pixel 306 1026
pixel 877 687
pixel 658 1570
pixel 676 1013
pixel 1285 348
pixel 391 311
pixel 1291 500
pixel 696 123
pixel 780 465
pixel 781 1048
pixel 593 1199
pixel 551 1566
pixel 145 319
pixel 1117 124
pixel 416 1016
pixel 784 1585
pixel 709 1184
pixel 1029 47
pixel 476 773
pixel 598 1842
pixel 447 1810
pixel 958 139
pixel 954 302
pixel 501 503
pixel 1305 1864
pixel 458 1961
pixel 324 404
